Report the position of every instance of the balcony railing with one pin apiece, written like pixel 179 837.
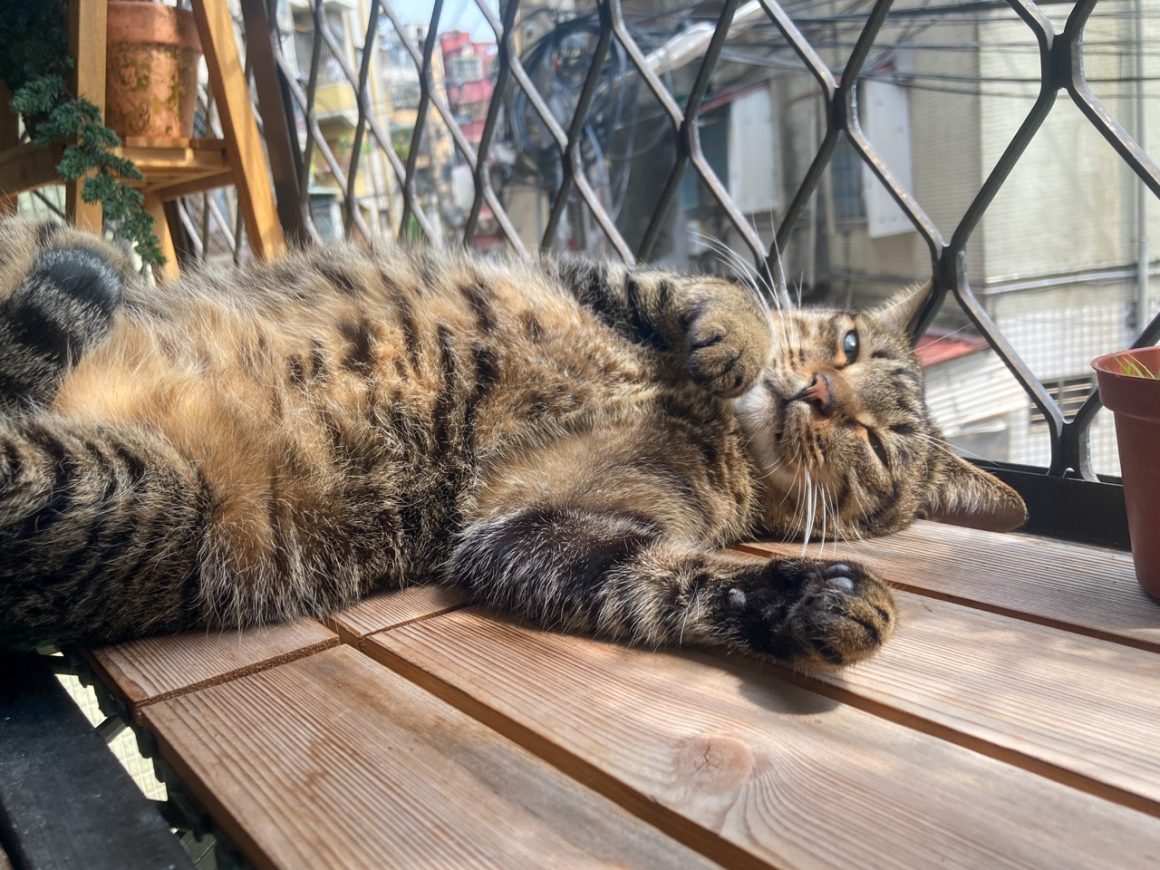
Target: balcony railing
pixel 601 57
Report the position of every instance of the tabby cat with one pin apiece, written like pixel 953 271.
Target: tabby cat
pixel 567 442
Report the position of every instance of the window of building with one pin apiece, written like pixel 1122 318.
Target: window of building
pixel 846 167
pixel 1070 393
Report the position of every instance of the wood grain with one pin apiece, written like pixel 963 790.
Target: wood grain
pixel 717 751
pixel 389 609
pixel 247 156
pixel 155 668
pixel 156 209
pixel 26 167
pixel 87 23
pixel 1088 589
pixel 334 761
pixel 1080 710
pixel 9 138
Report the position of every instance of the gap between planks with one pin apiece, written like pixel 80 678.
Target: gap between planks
pixel 359 642
pixel 118 680
pixel 459 660
pixel 1054 772
pixel 985 741
pixel 669 822
pixel 1128 618
pixel 862 699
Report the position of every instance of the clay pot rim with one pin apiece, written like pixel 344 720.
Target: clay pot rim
pixel 1127 394
pixel 144 22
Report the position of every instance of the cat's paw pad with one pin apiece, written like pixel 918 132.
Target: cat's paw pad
pixel 811 614
pixel 727 341
pixel 48 257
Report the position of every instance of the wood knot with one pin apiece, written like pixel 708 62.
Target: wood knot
pixel 714 764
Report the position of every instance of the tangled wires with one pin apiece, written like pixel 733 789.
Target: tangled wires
pixel 615 131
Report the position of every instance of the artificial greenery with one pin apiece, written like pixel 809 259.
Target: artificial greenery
pixel 34 64
pixel 1132 367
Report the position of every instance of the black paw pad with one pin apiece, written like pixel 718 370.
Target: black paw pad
pixel 78 273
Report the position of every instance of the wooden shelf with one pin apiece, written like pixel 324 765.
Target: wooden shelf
pixel 172 167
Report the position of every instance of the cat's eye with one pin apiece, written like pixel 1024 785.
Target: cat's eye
pixel 850 346
pixel 878 447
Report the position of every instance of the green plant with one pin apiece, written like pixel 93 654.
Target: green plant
pixel 34 64
pixel 1132 367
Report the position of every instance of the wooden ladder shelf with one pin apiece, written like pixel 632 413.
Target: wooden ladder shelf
pixel 172 168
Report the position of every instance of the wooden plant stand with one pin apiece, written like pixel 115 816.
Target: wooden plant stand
pixel 172 168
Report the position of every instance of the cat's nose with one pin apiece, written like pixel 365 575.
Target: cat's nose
pixel 820 394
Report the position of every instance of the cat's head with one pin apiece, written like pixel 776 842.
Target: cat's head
pixel 841 435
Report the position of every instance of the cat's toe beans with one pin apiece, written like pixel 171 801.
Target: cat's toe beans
pixel 842 582
pixel 738 599
pixel 840 576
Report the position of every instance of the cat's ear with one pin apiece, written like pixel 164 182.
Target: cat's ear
pixel 902 310
pixel 964 495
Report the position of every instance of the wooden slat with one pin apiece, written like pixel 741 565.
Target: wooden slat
pixel 389 609
pixel 175 189
pixel 155 206
pixel 27 167
pixel 178 158
pixel 9 138
pixel 333 761
pixel 87 21
pixel 243 141
pixel 744 766
pixel 1088 589
pixel 150 670
pixel 1083 711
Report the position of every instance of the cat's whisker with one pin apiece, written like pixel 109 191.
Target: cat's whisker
pixel 948 335
pixel 946 448
pixel 809 513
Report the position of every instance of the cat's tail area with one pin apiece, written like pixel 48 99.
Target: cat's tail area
pixel 101 529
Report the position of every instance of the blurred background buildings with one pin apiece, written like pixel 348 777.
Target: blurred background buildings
pixel 1065 258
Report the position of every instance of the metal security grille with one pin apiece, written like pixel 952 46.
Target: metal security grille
pixel 296 96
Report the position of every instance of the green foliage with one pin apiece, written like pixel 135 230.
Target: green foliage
pixel 34 63
pixel 1132 367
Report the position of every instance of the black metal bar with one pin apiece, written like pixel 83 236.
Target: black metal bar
pixel 572 163
pixel 1096 112
pixel 692 135
pixel 483 190
pixel 1052 505
pixel 847 97
pixel 368 52
pixel 828 87
pixel 64 799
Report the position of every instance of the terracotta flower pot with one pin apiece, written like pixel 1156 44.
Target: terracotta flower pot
pixel 1135 401
pixel 151 69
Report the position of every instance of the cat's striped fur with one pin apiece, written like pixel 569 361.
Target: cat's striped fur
pixel 569 442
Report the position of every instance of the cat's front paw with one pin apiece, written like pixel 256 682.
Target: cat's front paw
pixel 727 339
pixel 810 614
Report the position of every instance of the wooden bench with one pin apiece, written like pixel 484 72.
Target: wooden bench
pixel 1013 720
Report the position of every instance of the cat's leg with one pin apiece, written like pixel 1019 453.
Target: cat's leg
pixel 614 575
pixel 102 530
pixel 719 331
pixel 60 290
